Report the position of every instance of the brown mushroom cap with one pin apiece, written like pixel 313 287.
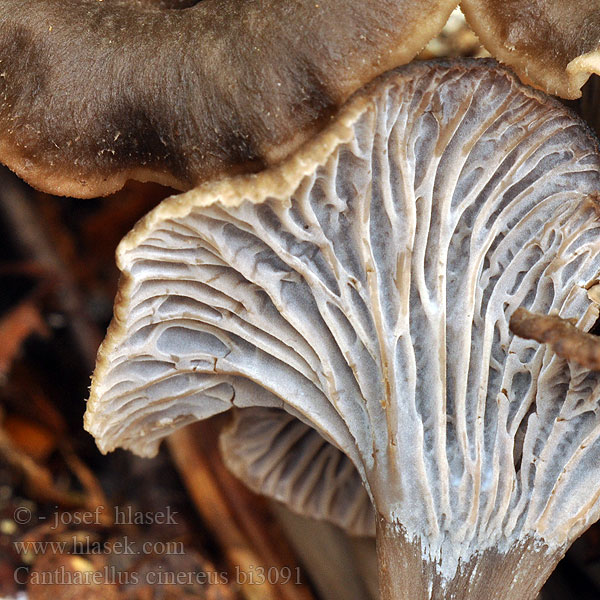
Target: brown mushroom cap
pixel 95 93
pixel 551 44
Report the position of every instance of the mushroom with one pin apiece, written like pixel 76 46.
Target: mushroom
pixel 551 44
pixel 95 93
pixel 352 306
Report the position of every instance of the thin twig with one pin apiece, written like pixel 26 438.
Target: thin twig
pixel 563 337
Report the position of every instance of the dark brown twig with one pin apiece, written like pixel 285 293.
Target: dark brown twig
pixel 563 337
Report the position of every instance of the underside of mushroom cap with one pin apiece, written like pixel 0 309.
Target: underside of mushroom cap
pixel 364 288
pixel 277 454
pixel 95 93
pixel 551 44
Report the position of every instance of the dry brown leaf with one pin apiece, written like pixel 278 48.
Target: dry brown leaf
pixel 15 327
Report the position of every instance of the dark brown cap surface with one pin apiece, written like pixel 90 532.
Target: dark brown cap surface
pixel 551 44
pixel 94 93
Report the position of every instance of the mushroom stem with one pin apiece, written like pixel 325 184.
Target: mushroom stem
pixel 408 572
pixel 564 338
